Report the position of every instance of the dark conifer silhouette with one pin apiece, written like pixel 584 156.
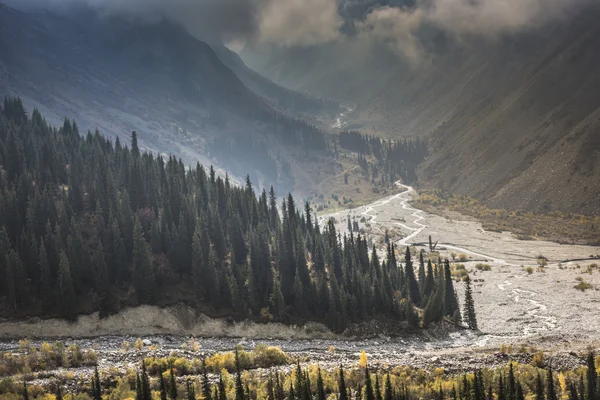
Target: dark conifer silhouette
pixel 83 217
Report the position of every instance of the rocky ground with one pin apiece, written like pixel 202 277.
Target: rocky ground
pixel 117 353
pixel 512 304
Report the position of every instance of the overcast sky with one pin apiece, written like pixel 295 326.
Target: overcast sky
pixel 310 22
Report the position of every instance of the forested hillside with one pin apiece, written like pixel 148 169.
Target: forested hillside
pixel 395 160
pixel 89 225
pixel 120 74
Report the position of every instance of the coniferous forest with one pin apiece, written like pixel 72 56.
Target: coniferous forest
pixel 393 159
pixel 87 224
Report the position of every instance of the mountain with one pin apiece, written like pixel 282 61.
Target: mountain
pixel 118 74
pixel 299 103
pixel 513 121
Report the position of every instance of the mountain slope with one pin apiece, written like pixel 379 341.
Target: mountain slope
pixel 288 99
pixel 514 122
pixel 120 75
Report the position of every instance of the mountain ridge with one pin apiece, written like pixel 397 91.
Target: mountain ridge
pixel 117 75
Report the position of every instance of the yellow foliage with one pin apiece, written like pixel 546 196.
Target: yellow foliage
pixel 194 346
pixel 363 361
pixel 268 356
pixel 24 346
pixel 438 372
pixel 563 385
pixel 538 360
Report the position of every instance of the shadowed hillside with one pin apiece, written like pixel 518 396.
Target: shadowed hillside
pixel 118 75
pixel 514 122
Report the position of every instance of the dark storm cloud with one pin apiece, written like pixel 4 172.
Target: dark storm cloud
pixel 309 22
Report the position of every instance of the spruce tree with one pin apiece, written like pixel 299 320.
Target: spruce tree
pixel 434 310
pixel 306 392
pixel 320 386
pixel 422 276
pixel 469 306
pixel 299 382
pixel 191 392
pixel 205 382
pixel 389 395
pixel 409 273
pixel 466 390
pixel 65 286
pixel 451 309
pixel 172 384
pixel 478 391
pixel 25 393
pixel 97 385
pixel 378 395
pixel 143 270
pixel 551 390
pixel 369 394
pixel 270 388
pixel 138 388
pixel 45 289
pixel 512 390
pixel 573 392
pixel 519 395
pixel 539 388
pixel 412 318
pixel 222 390
pixel 239 387
pixel 276 300
pixel 343 392
pixel 501 389
pixel 145 384
pixel 592 378
pixel 162 387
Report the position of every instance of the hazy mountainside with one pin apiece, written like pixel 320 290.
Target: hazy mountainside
pixel 120 75
pixel 514 122
pixel 277 94
pixel 345 71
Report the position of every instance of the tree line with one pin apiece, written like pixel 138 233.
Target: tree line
pixel 360 383
pixel 394 160
pixel 90 225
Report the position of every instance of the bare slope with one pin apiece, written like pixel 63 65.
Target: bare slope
pixel 514 122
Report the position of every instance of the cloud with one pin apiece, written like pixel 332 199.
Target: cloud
pixel 494 17
pixel 300 22
pixel 292 23
pixel 396 28
pixel 208 19
pixel 398 25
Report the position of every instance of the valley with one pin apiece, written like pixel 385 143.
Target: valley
pixel 393 201
pixel 512 304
